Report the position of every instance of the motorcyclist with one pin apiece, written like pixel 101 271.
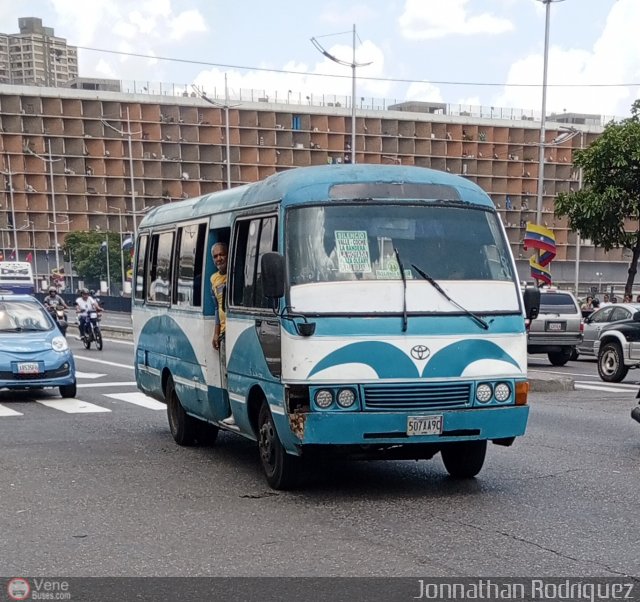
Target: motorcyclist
pixel 84 304
pixel 53 299
pixel 52 302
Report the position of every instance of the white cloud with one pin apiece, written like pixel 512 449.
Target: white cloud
pixel 187 22
pixel 440 18
pixel 424 92
pixel 612 60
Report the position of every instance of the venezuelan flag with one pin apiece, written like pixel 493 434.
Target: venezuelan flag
pixel 542 239
pixel 539 272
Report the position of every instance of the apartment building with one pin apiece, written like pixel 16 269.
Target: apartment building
pixel 36 56
pixel 71 164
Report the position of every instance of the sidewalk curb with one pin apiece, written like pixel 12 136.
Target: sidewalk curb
pixel 118 332
pixel 541 383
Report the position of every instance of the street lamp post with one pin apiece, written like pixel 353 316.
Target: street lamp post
pixel 128 134
pixel 353 66
pixel 119 210
pixel 226 107
pixel 543 117
pixel 13 211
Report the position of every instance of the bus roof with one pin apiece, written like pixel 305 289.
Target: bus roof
pixel 312 184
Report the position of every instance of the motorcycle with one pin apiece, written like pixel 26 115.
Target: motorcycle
pixel 60 317
pixel 92 333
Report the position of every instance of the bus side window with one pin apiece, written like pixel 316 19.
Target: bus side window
pixel 160 268
pixel 141 257
pixel 188 282
pixel 253 238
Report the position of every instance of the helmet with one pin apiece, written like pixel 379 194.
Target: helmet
pixel 84 291
pixel 52 289
pixel 92 293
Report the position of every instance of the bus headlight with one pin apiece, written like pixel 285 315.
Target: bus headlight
pixel 323 398
pixel 346 398
pixel 484 393
pixel 502 392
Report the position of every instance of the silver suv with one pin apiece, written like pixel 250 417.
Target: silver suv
pixel 557 330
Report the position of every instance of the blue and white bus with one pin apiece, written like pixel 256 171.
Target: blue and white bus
pixel 16 277
pixel 371 311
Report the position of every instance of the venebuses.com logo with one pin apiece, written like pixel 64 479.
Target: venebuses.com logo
pixel 18 588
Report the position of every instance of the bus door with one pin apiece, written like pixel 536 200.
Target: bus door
pixel 216 363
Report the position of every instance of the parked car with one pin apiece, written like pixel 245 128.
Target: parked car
pixel 618 349
pixel 33 352
pixel 557 331
pixel 597 320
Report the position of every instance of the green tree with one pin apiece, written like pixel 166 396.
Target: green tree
pixel 607 208
pixel 88 253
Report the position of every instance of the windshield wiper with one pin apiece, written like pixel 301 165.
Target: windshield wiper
pixel 435 285
pixel 404 290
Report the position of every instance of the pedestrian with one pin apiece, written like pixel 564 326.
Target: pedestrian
pixel 588 304
pixel 219 253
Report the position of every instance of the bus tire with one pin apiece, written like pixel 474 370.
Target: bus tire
pixel 464 460
pixel 281 469
pixel 184 428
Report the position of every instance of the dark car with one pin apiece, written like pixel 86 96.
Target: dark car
pixel 618 349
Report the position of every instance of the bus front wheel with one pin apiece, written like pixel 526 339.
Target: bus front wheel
pixel 184 428
pixel 281 469
pixel 464 460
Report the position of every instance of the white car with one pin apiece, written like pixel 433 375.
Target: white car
pixel 599 319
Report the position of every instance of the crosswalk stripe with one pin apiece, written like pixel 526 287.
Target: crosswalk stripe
pixel 99 385
pixel 88 374
pixel 603 384
pixel 603 388
pixel 5 411
pixel 139 399
pixel 72 406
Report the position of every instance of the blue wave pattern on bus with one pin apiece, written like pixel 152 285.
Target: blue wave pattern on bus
pixel 390 362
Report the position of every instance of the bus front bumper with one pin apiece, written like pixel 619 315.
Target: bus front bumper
pixel 391 428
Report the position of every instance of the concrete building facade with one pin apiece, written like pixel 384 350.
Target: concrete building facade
pixel 66 156
pixel 36 56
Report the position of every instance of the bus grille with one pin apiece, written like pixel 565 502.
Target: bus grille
pixel 428 396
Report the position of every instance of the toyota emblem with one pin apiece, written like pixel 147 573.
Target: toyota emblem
pixel 420 352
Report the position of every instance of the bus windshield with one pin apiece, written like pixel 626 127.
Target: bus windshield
pixel 359 242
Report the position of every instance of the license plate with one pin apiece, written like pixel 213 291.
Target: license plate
pixel 556 326
pixel 424 425
pixel 28 368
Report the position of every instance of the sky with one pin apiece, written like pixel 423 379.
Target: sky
pixel 462 52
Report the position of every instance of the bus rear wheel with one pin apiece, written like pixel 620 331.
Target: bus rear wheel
pixel 281 469
pixel 184 428
pixel 464 460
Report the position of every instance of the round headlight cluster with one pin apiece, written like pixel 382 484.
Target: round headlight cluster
pixel 484 393
pixel 502 392
pixel 59 344
pixel 346 398
pixel 323 398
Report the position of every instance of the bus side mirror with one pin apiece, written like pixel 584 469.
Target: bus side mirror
pixel 272 266
pixel 531 297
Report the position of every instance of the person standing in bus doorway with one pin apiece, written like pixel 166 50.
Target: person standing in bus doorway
pixel 219 253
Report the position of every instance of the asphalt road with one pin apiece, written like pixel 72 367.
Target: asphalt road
pixel 104 491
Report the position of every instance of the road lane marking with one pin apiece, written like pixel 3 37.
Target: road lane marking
pixel 139 399
pixel 97 361
pixel 604 384
pixel 602 388
pixel 72 406
pixel 5 411
pixel 88 374
pixel 114 384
